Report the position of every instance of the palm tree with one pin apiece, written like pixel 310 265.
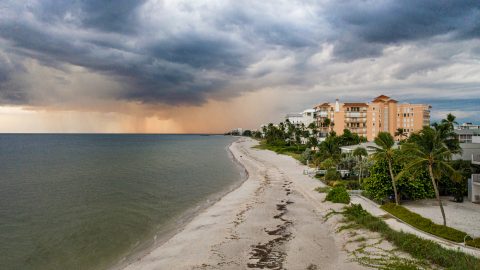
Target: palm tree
pixel 427 149
pixel 400 133
pixel 360 152
pixel 448 135
pixel 450 120
pixel 386 152
pixel 329 148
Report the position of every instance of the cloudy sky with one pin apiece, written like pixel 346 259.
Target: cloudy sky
pixel 208 66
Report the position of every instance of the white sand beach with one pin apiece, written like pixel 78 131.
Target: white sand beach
pixel 274 220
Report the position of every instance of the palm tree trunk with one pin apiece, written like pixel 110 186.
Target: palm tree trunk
pixel 360 173
pixel 393 182
pixel 437 194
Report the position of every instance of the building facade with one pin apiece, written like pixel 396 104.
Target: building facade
pixel 368 119
pixel 306 117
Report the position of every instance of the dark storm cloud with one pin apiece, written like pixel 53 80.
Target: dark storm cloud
pixel 365 26
pixel 109 15
pixel 179 53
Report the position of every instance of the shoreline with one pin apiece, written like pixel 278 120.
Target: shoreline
pixel 178 224
pixel 271 220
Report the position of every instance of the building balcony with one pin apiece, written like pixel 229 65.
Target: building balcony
pixel 321 114
pixel 356 120
pixel 355 114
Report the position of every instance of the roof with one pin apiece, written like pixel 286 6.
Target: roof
pixel 381 98
pixel 467 131
pixel 355 104
pixel 367 145
pixel 293 115
pixel 326 104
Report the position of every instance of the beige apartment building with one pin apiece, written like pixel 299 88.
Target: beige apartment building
pixel 368 119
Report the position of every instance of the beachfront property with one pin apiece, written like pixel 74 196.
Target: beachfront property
pixel 367 119
pixel 467 135
pixel 294 118
pixel 469 138
pixel 469 142
pixel 306 117
pixel 468 126
pixel 371 147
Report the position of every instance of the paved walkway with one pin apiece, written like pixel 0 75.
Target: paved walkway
pixel 461 216
pixel 398 225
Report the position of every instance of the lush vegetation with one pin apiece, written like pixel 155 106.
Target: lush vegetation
pixel 293 151
pixel 338 194
pixel 424 224
pixel 411 244
pixel 416 167
pixel 411 186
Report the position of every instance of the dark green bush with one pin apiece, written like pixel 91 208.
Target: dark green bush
pixel 474 243
pixel 338 194
pixel 424 224
pixel 332 174
pixel 351 184
pixel 410 186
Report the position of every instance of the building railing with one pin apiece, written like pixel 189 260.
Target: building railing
pixel 356 120
pixel 321 114
pixel 355 114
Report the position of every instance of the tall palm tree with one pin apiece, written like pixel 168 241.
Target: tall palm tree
pixel 329 148
pixel 386 152
pixel 450 120
pixel 448 135
pixel 427 149
pixel 360 152
pixel 400 133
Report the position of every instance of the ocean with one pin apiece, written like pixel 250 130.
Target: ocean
pixel 94 201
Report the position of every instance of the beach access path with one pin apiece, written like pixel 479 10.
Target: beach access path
pixel 274 220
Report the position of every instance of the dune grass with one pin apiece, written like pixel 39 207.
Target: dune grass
pixel 424 224
pixel 417 247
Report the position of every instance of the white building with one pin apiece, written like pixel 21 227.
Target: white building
pixel 468 126
pixel 306 117
pixel 294 118
pixel 474 182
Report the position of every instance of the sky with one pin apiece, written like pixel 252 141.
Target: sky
pixel 209 66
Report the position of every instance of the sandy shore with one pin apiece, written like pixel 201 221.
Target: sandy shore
pixel 274 220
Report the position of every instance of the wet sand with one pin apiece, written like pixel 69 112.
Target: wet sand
pixel 274 220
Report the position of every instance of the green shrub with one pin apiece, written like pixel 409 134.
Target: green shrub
pixel 410 186
pixel 424 224
pixel 474 243
pixel 417 247
pixel 338 194
pixel 351 184
pixel 332 174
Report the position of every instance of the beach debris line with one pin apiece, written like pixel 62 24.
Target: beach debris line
pixel 271 255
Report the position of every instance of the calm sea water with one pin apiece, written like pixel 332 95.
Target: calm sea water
pixel 87 201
